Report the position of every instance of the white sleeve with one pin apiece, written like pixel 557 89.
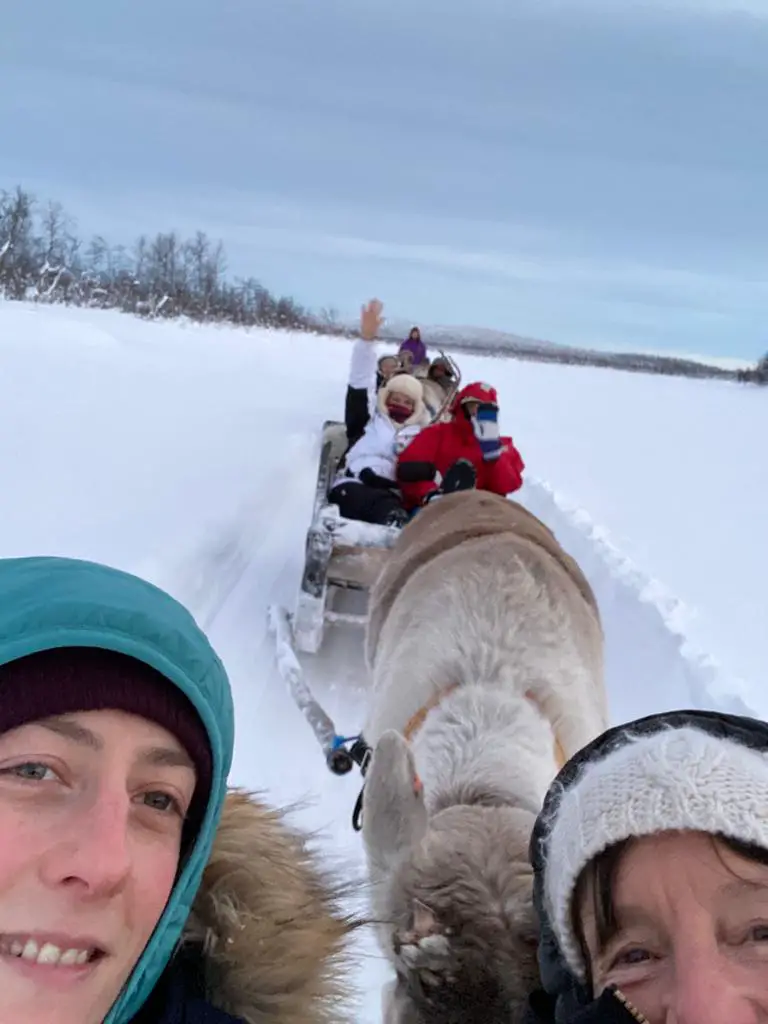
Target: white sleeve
pixel 362 366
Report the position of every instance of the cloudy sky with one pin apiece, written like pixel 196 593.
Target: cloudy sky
pixel 589 171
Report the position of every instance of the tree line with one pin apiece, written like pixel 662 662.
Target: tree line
pixel 43 259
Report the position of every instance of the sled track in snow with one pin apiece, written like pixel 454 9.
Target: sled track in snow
pixel 650 664
pixel 254 558
pixel 206 569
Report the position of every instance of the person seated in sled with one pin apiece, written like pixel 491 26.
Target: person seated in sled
pixel 441 372
pixel 366 488
pixel 368 372
pixel 439 385
pixel 413 354
pixel 468 451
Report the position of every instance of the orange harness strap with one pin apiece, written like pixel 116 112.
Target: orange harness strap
pixel 416 720
pixel 560 756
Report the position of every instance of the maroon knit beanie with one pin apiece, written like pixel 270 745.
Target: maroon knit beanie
pixel 64 680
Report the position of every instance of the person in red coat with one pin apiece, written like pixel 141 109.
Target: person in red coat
pixel 466 452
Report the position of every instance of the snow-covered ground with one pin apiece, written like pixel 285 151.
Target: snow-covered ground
pixel 188 455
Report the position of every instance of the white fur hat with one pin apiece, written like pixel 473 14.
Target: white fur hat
pixel 405 384
pixel 678 778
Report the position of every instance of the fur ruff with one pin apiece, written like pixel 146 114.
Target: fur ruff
pixel 269 921
pixel 413 388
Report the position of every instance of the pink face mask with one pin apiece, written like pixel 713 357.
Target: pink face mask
pixel 398 412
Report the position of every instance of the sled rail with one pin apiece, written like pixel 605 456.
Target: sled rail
pixel 340 554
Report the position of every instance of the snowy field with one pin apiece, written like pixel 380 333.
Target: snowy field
pixel 188 455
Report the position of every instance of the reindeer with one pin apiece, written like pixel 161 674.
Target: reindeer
pixel 485 647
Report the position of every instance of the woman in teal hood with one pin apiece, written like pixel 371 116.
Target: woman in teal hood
pixel 134 888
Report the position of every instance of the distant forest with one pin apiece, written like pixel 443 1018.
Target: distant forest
pixel 43 259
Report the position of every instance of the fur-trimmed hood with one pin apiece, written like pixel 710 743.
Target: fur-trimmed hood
pixel 410 386
pixel 269 921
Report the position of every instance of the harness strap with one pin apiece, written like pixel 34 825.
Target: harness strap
pixel 416 720
pixel 361 754
pixel 412 726
pixel 560 755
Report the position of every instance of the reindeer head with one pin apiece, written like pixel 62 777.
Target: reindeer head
pixel 456 894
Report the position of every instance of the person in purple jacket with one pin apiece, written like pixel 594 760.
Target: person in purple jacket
pixel 413 351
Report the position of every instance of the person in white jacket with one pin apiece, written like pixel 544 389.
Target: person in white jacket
pixel 365 487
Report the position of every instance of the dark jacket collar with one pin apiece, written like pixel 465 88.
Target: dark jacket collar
pixel 179 997
pixel 609 1008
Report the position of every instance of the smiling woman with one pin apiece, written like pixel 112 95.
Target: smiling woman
pixel 651 876
pixel 132 887
pixel 114 788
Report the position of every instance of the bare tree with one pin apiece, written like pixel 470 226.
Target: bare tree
pixel 17 244
pixel 42 257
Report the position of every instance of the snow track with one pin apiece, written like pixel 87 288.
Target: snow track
pixel 256 559
pixel 230 574
pixel 189 455
pixel 650 664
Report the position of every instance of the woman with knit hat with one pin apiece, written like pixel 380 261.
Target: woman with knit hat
pixel 132 887
pixel 651 876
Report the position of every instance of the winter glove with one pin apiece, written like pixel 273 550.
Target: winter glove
pixel 460 477
pixel 485 424
pixel 371 479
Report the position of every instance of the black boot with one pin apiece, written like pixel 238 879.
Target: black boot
pixel 462 476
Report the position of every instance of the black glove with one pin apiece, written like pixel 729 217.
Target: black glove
pixel 371 479
pixel 462 476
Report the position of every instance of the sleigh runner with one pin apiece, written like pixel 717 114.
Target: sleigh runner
pixel 340 554
pixel 343 558
pixel 345 554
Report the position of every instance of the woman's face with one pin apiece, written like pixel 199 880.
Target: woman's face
pixel 388 367
pixel 397 399
pixel 691 943
pixel 91 813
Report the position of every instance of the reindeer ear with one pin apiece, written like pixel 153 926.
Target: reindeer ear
pixel 394 815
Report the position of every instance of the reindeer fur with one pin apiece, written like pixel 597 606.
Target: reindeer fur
pixel 478 593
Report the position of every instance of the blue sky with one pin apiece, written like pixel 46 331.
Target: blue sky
pixel 589 171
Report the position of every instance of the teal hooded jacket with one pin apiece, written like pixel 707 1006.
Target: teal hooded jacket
pixel 49 602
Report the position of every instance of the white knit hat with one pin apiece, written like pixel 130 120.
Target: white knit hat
pixel 674 779
pixel 405 384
